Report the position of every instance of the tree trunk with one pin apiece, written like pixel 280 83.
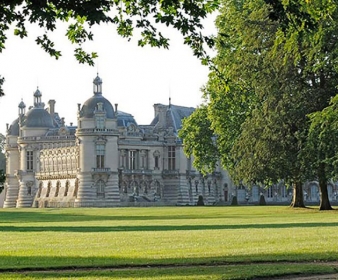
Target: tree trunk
pixel 297 198
pixel 324 196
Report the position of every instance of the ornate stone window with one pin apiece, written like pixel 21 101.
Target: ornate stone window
pixel 40 190
pixel 100 151
pixel 76 188
pixel 132 159
pixel 57 188
pixel 143 159
pixel 100 122
pixel 100 189
pixel 171 157
pixel 123 158
pixel 66 188
pixel 49 186
pixel 29 158
pixel 157 159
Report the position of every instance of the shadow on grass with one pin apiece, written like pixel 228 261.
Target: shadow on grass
pixel 51 264
pixel 266 271
pixel 160 227
pixel 112 214
pixel 55 216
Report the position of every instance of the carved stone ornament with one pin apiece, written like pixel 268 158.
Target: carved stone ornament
pixel 156 153
pixel 29 184
pixel 63 131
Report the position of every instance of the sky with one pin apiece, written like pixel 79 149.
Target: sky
pixel 133 77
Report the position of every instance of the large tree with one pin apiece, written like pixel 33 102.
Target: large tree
pixel 320 154
pixel 272 83
pixel 128 16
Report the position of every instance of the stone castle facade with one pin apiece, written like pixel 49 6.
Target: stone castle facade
pixel 106 160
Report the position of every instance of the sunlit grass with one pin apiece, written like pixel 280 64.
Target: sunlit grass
pixel 45 238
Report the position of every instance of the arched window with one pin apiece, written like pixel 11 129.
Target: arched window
pixel 49 186
pixel 66 188
pixel 40 190
pixel 57 188
pixel 76 189
pixel 156 155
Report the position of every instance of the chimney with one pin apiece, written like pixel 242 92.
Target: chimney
pixel 116 109
pixel 162 113
pixel 51 108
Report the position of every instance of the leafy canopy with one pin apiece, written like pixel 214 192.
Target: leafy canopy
pixel 127 15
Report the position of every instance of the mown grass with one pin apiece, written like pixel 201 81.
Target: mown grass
pixel 215 272
pixel 50 238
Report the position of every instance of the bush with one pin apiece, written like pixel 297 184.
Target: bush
pixel 234 201
pixel 262 200
pixel 200 201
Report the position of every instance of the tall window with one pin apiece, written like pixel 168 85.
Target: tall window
pixel 132 160
pixel 156 162
pixel 66 189
pixel 49 186
pixel 57 189
pixel 171 158
pixel 100 122
pixel 100 189
pixel 123 159
pixel 157 159
pixel 100 150
pixel 29 160
pixel 270 192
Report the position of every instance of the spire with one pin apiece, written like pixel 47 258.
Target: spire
pixel 97 85
pixel 169 97
pixel 37 98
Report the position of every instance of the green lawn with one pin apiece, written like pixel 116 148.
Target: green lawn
pixel 172 236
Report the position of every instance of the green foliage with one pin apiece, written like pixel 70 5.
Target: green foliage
pixel 200 201
pixel 234 201
pixel 2 80
pixel 271 71
pixel 2 180
pixel 146 16
pixel 262 200
pixel 199 141
pixel 322 144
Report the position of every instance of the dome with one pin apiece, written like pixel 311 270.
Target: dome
pixel 38 117
pixel 13 129
pixel 90 106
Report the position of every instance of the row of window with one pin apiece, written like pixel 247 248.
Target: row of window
pixel 51 164
pixel 57 190
pixel 135 159
pixel 131 159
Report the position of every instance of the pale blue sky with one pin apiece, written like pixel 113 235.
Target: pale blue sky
pixel 133 77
